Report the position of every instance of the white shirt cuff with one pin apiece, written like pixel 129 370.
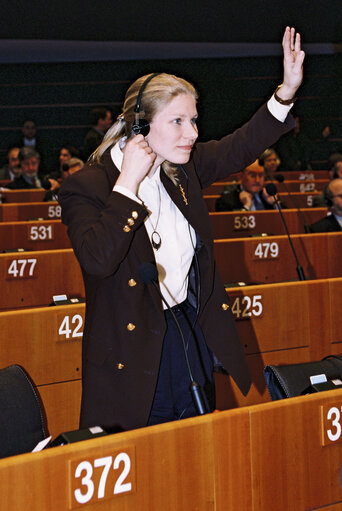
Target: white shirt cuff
pixel 278 110
pixel 126 192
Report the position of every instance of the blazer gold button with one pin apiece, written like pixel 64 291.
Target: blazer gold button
pixel 225 306
pixel 120 366
pixel 132 283
pixel 130 221
pixel 130 327
pixel 135 214
pixel 126 228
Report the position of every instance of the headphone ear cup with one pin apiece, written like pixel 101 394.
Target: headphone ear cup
pixel 143 128
pixel 327 199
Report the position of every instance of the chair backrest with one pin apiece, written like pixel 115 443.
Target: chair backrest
pixel 22 419
pixel 292 380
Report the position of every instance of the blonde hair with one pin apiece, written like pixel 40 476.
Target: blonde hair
pixel 159 91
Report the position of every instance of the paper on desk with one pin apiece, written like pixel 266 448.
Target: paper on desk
pixel 43 443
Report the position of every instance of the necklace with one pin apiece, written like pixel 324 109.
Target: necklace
pixel 155 236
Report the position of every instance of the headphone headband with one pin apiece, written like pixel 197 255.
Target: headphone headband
pixel 141 126
pixel 142 88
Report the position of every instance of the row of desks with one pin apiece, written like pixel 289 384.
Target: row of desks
pixel 293 200
pixel 51 233
pixel 37 195
pixel 284 455
pixel 278 323
pixel 295 186
pixel 32 278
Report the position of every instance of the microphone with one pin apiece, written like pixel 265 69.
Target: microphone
pixel 280 178
pixel 46 184
pixel 149 275
pixel 271 189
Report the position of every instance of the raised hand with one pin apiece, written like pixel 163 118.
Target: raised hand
pixel 293 64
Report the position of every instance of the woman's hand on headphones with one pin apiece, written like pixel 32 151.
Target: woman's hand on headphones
pixel 137 162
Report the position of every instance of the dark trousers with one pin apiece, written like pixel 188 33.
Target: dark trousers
pixel 173 400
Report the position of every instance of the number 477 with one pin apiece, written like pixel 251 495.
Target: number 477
pixel 17 267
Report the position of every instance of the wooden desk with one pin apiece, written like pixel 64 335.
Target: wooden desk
pixel 28 210
pixel 270 259
pixel 33 278
pixel 295 200
pixel 33 235
pixel 47 343
pixel 292 175
pixel 277 323
pixel 237 224
pixel 284 323
pixel 294 186
pixel 300 199
pixel 271 456
pixel 305 175
pixel 30 195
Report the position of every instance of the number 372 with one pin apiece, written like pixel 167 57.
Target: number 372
pixel 92 479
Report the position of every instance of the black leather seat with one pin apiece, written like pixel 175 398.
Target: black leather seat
pixel 22 417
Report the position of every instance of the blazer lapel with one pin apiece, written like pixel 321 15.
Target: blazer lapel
pixel 189 200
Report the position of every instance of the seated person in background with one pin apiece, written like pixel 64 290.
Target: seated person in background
pixel 333 196
pixel 249 195
pixel 294 149
pixel 66 152
pixel 323 147
pixel 336 171
pixel 29 162
pixel 69 167
pixel 270 161
pixel 12 169
pixel 101 120
pixel 319 201
pixel 30 138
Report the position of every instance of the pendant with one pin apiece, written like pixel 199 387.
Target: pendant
pixel 183 195
pixel 156 240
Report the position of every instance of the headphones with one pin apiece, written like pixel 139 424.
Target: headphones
pixel 327 195
pixel 141 126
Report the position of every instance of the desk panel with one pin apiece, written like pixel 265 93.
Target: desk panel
pixel 30 195
pixel 33 278
pixel 29 210
pixel 45 341
pixel 269 260
pixel 33 235
pixel 267 456
pixel 294 200
pixel 295 186
pixel 238 224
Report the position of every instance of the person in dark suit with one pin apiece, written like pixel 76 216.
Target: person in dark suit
pixel 12 169
pixel 333 199
pixel 101 120
pixel 30 138
pixel 139 201
pixel 320 201
pixel 30 177
pixel 249 195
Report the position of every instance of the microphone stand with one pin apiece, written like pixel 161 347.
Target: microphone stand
pixel 280 179
pixel 272 190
